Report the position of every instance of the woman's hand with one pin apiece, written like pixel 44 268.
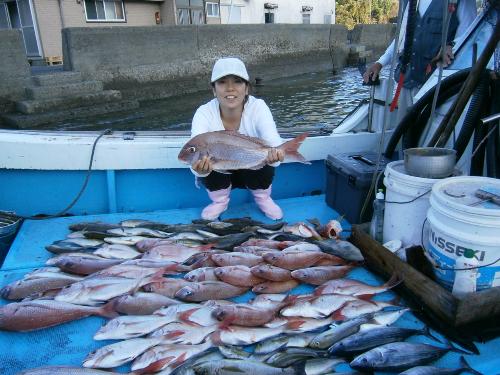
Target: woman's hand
pixel 275 155
pixel 203 166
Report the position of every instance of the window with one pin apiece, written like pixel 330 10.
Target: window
pixel 306 18
pixel 104 10
pixel 190 12
pixel 213 10
pixel 269 17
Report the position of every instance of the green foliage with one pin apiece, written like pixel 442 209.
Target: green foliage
pixel 353 12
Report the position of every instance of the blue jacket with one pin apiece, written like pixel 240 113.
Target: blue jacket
pixel 426 43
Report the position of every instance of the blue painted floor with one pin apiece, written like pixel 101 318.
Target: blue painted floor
pixel 69 344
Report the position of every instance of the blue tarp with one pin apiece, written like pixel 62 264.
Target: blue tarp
pixel 69 344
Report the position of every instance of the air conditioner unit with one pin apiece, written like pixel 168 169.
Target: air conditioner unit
pixel 307 8
pixel 270 6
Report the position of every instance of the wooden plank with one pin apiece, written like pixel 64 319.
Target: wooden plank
pixel 431 295
pixel 476 306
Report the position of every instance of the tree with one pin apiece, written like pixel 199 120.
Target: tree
pixel 353 12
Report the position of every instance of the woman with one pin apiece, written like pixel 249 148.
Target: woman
pixel 234 109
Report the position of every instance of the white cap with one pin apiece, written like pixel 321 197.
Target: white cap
pixel 228 66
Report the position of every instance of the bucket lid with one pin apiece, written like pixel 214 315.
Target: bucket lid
pixel 469 193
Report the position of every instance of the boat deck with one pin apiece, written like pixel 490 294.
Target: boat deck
pixel 69 344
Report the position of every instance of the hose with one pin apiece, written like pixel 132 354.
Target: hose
pixel 473 116
pixel 477 160
pixel 418 107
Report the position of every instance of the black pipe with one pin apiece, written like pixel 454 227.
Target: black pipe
pixel 477 160
pixel 409 119
pixel 474 113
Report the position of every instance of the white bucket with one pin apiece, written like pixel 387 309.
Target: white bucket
pixel 406 204
pixel 459 220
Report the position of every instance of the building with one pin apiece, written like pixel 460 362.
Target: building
pixel 41 21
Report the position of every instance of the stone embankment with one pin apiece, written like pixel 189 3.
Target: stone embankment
pixel 109 69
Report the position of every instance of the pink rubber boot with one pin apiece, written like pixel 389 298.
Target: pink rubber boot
pixel 266 204
pixel 220 201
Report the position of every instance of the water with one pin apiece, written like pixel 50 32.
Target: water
pixel 315 100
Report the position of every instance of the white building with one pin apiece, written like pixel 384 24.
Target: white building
pixel 277 11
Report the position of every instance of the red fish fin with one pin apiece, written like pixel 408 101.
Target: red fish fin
pixel 295 324
pixel 290 149
pixel 179 361
pixel 155 366
pixel 108 310
pixel 338 316
pixel 365 297
pixel 319 290
pixel 174 334
pixel 290 299
pixel 185 315
pixel 225 324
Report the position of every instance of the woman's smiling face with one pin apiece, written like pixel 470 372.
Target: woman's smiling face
pixel 231 91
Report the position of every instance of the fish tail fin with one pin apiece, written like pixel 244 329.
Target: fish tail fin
pixel 450 346
pixel 426 331
pixel 174 334
pixel 467 367
pixel 155 366
pixel 394 281
pixel 319 290
pixel 108 310
pixel 179 361
pixel 215 338
pixel 291 147
pixel 289 300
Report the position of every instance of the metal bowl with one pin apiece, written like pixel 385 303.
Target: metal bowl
pixel 430 162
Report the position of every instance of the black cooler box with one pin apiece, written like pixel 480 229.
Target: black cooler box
pixel 348 181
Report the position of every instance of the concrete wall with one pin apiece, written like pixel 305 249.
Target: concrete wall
pixel 375 37
pixel 126 57
pixel 14 68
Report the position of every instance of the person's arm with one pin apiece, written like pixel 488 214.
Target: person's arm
pixel 374 70
pixel 200 125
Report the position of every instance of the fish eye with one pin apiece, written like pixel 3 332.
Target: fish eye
pixel 191 149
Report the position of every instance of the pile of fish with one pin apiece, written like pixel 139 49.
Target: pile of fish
pixel 167 291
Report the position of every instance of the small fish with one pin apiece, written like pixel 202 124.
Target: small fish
pixel 233 352
pixel 186 368
pixel 183 333
pixel 138 231
pixel 131 326
pixel 167 357
pixel 366 340
pixel 117 251
pixel 245 315
pixel 92 226
pixel 246 366
pixel 236 259
pixel 337 332
pixel 125 240
pixel 433 370
pixel 228 242
pixel 206 290
pixel 141 303
pixel 81 263
pixel 237 275
pixel 321 274
pixel 230 150
pixel 294 260
pixel 166 287
pixel 355 308
pixel 119 353
pixel 32 285
pixel 356 288
pixel 95 290
pixel 201 274
pixel 239 335
pixel 289 356
pixel 340 248
pixel 317 307
pixel 38 314
pixel 271 273
pixel 70 246
pixel 299 340
pixel 318 366
pixel 275 286
pixel 302 246
pixel 398 356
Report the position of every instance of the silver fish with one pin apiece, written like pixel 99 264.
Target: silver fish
pixel 433 370
pixel 398 356
pixel 131 326
pixel 237 366
pixel 141 303
pixel 340 248
pixel 288 356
